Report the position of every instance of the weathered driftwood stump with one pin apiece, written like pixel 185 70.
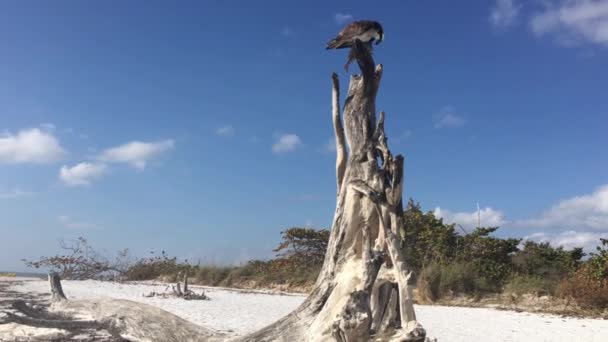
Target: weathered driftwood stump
pixel 363 291
pixel 176 292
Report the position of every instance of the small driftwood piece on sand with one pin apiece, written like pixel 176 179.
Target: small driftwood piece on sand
pixel 176 292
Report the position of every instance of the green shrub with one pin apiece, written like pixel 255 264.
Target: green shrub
pixel 520 284
pixel 437 281
pixel 155 266
pixel 545 261
pixel 210 275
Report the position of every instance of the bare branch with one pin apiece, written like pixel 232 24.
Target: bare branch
pixel 338 132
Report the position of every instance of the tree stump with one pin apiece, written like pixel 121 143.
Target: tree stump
pixel 363 291
pixel 364 233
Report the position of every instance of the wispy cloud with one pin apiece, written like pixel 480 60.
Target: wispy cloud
pixel 570 239
pixel 82 174
pixel 573 22
pixel 579 221
pixel 488 217
pixel 405 135
pixel 225 131
pixel 48 127
pixel 15 193
pixel 446 118
pixel 330 146
pixel 504 13
pixel 30 146
pixel 589 211
pixel 69 223
pixel 343 18
pixel 286 143
pixel 136 153
pixel 287 31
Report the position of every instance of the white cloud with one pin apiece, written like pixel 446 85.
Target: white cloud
pixel 488 217
pixel 49 127
pixel 579 221
pixel 225 131
pixel 286 31
pixel 286 143
pixel 330 146
pixel 573 22
pixel 588 211
pixel 15 193
pixel 343 18
pixel 136 153
pixel 405 135
pixel 30 146
pixel 570 239
pixel 446 118
pixel 68 222
pixel 81 174
pixel 504 13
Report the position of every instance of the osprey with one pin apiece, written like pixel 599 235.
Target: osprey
pixel 366 31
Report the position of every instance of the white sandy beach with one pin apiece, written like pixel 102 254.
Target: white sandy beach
pixel 241 312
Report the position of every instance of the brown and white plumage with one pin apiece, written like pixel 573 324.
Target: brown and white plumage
pixel 367 31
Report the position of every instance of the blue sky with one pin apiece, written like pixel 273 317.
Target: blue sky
pixel 203 128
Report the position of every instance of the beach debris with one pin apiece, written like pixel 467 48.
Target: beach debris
pixel 177 292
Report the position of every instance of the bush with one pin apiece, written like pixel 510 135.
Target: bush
pixel 155 266
pixel 211 275
pixel 489 256
pixel 521 284
pixel 545 261
pixel 253 273
pixel 438 281
pixel 589 285
pixel 586 291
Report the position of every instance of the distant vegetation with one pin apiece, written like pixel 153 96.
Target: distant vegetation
pixel 296 266
pixel 447 263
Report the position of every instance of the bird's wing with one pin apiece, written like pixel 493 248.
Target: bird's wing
pixel 354 29
pixel 347 36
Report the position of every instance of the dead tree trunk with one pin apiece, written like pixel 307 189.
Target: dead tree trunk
pixel 363 263
pixel 363 239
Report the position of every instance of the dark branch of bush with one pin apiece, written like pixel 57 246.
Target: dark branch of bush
pixel 79 260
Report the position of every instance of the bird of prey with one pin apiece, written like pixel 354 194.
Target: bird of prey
pixel 367 31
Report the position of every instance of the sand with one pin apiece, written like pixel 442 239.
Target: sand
pixel 240 312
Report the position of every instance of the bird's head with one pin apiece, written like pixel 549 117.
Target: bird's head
pixel 379 33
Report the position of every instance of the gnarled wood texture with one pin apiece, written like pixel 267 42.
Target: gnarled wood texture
pixel 363 291
pixel 364 234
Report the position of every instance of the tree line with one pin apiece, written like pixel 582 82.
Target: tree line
pixel 447 263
